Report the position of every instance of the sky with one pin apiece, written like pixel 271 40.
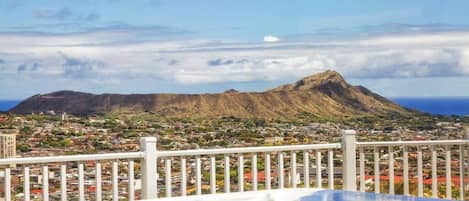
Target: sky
pixel 396 48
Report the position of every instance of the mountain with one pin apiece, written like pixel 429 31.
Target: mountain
pixel 325 94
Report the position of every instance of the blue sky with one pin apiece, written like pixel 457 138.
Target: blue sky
pixel 396 48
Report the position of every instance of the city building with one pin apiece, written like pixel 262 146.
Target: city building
pixel 8 143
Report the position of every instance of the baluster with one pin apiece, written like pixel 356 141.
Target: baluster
pixel 45 183
pixel 131 181
pixel 306 168
pixel 391 170
pixel 281 178
pixel 467 166
pixel 267 171
pixel 168 188
pixel 115 184
pixel 254 171
pixel 434 174
pixel 27 192
pixel 461 172
pixel 377 173
pixel 81 187
pixel 198 175
pixel 183 177
pixel 241 173
pixel 330 160
pixel 293 169
pixel 98 182
pixel 362 169
pixel 448 172
pixel 213 175
pixel 318 169
pixel 419 172
pixel 406 170
pixel 7 185
pixel 227 174
pixel 63 182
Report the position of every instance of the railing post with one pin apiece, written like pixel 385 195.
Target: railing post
pixel 148 166
pixel 349 147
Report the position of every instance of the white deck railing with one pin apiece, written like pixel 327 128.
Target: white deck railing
pixel 210 155
pixel 450 148
pixel 209 171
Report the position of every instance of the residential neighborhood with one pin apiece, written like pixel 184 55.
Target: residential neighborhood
pixel 61 134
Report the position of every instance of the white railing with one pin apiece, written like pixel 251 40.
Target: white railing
pixel 46 161
pixel 147 155
pixel 210 171
pixel 431 148
pixel 235 158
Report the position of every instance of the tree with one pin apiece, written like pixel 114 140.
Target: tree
pixel 24 148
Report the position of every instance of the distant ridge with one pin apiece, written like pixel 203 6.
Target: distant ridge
pixel 325 94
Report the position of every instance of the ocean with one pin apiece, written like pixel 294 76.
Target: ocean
pixel 5 105
pixel 443 106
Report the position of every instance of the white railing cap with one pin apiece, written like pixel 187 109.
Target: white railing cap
pixel 349 132
pixel 148 139
pixel 413 143
pixel 70 158
pixel 240 150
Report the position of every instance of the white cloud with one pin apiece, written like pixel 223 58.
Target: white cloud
pixel 190 62
pixel 271 39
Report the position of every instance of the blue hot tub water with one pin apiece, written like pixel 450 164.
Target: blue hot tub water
pixel 333 195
